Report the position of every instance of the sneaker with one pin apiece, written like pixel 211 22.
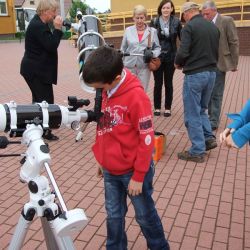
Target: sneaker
pixel 49 136
pixel 211 144
pixel 186 156
pixel 157 112
pixel 167 113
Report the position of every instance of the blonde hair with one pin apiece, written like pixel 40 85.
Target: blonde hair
pixel 140 9
pixel 46 5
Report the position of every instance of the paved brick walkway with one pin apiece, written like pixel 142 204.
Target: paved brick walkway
pixel 203 206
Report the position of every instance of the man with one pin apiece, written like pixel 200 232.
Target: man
pixel 197 55
pixel 39 63
pixel 228 57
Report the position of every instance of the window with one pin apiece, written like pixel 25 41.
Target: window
pixel 32 2
pixel 3 8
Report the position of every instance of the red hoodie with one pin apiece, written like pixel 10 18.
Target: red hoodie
pixel 125 135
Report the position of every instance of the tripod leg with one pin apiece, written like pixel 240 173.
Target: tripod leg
pixel 19 234
pixel 53 241
pixel 65 243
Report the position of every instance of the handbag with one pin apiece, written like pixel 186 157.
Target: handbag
pixel 154 63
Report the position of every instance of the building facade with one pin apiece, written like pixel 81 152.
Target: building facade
pixel 7 17
pixel 120 6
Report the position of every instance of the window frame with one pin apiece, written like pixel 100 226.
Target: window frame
pixel 6 5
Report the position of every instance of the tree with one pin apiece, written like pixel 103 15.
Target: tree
pixel 77 5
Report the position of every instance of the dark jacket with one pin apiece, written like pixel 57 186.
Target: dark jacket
pixel 198 50
pixel 40 57
pixel 168 44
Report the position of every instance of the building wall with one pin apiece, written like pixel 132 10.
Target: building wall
pixel 30 4
pixel 7 23
pixel 120 6
pixel 243 33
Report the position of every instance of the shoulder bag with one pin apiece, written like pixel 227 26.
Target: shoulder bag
pixel 154 63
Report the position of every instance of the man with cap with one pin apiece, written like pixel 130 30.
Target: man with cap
pixel 228 57
pixel 197 57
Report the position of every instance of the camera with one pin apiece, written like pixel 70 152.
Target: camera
pixel 67 23
pixel 148 54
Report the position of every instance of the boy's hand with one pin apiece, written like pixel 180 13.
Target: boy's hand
pixel 99 172
pixel 225 134
pixel 229 142
pixel 134 187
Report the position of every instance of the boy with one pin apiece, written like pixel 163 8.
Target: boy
pixel 123 147
pixel 237 134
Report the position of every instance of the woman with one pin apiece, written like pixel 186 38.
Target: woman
pixel 39 63
pixel 168 29
pixel 136 40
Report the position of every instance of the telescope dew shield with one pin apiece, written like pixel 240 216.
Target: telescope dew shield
pixel 90 24
pixel 90 39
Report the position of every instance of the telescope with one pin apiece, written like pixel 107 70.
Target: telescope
pixel 15 118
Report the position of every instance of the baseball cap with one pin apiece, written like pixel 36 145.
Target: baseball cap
pixel 188 6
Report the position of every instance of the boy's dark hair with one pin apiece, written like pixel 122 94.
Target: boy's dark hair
pixel 163 2
pixel 102 65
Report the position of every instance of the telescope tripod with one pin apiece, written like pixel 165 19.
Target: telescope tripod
pixel 57 222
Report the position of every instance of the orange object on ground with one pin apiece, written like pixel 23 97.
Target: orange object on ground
pixel 160 146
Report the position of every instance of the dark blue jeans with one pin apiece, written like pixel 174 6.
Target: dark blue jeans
pixel 116 192
pixel 197 91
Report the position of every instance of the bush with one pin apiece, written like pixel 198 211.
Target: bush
pixel 66 35
pixel 20 35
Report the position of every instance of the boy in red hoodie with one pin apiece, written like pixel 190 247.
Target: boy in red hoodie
pixel 123 147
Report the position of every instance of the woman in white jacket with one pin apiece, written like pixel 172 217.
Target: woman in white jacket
pixel 135 41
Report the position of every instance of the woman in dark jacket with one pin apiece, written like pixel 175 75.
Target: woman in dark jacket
pixel 39 63
pixel 168 29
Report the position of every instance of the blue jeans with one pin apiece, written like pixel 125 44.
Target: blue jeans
pixel 116 192
pixel 197 91
pixel 214 106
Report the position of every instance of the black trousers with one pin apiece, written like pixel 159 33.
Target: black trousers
pixel 40 91
pixel 164 75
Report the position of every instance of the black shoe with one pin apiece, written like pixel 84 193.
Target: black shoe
pixel 157 112
pixel 167 113
pixel 211 144
pixel 49 136
pixel 186 156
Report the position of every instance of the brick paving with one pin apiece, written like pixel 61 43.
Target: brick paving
pixel 202 206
